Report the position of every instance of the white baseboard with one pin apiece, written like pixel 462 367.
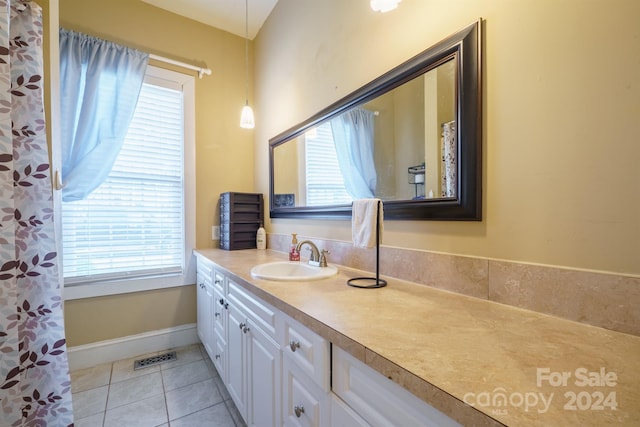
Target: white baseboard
pixel 87 355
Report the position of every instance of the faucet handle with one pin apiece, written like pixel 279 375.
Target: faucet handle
pixel 323 257
pixel 312 256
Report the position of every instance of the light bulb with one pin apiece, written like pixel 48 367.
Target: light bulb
pixel 246 118
pixel 384 5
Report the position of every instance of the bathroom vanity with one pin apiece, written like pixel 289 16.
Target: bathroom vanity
pixel 320 353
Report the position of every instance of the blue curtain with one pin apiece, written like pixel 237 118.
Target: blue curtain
pixel 353 138
pixel 100 83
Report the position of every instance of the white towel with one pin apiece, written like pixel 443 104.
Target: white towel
pixel 363 222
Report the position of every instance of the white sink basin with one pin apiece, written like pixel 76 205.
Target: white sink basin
pixel 289 271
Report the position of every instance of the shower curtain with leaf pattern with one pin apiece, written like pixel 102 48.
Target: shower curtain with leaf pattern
pixel 449 177
pixel 35 389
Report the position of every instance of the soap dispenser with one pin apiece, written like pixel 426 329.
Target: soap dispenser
pixel 294 255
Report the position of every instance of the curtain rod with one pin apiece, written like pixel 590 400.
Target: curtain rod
pixel 201 71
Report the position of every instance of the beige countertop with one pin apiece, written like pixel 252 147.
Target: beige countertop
pixel 514 366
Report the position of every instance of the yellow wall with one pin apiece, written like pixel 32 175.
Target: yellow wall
pixel 561 107
pixel 115 316
pixel 561 117
pixel 224 151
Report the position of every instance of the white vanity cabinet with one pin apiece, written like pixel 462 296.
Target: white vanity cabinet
pixel 204 283
pixel 281 373
pixel 378 400
pixel 254 357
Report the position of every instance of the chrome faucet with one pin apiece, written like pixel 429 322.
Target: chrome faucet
pixel 315 254
pixel 317 258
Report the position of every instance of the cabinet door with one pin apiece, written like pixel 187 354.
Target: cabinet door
pixel 236 359
pixel 377 399
pixel 205 307
pixel 220 360
pixel 208 340
pixel 220 309
pixel 220 318
pixel 264 361
pixel 343 416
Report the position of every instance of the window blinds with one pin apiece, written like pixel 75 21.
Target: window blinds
pixel 325 185
pixel 133 224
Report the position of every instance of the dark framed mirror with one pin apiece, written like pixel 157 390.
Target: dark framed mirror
pixel 412 138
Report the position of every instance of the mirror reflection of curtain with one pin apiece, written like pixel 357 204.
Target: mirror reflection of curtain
pixel 449 169
pixel 353 138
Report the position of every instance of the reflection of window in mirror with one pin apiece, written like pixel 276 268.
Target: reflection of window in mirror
pixel 324 183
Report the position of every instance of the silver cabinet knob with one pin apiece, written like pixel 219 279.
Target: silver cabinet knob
pixel 217 314
pixel 217 282
pixel 217 356
pixel 242 326
pixel 298 410
pixel 293 345
pixel 245 329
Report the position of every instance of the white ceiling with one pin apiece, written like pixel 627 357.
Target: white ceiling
pixel 228 15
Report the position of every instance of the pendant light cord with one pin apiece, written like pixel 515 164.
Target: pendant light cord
pixel 246 117
pixel 246 49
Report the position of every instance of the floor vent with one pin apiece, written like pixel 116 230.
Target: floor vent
pixel 154 360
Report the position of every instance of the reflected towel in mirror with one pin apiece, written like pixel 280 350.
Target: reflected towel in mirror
pixel 364 217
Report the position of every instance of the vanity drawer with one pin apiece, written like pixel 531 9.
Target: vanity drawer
pixel 377 399
pixel 204 270
pixel 303 402
pixel 260 312
pixel 219 282
pixel 308 350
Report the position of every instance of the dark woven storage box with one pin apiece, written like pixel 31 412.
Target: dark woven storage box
pixel 240 217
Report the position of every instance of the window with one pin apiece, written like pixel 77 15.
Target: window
pixel 325 185
pixel 131 233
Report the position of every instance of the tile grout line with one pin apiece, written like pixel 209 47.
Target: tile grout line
pixel 106 403
pixel 164 395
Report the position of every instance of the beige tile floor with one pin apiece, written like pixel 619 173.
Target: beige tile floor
pixel 186 392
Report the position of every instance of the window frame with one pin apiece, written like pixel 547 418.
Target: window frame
pixel 161 281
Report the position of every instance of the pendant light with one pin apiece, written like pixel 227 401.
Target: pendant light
pixel 246 118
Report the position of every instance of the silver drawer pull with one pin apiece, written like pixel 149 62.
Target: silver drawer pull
pixel 293 345
pixel 299 410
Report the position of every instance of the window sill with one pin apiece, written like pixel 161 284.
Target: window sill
pixel 125 286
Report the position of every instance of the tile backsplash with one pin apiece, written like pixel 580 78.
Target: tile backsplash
pixel 606 300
